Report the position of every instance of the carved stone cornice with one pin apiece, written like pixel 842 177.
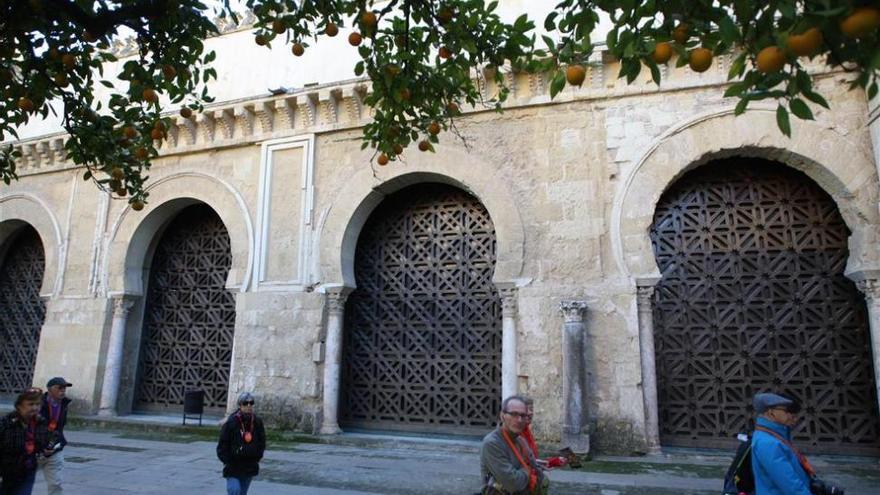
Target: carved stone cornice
pixel 573 311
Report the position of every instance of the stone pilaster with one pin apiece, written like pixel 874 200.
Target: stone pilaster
pixel 115 350
pixel 332 359
pixel 509 363
pixel 644 301
pixel 870 288
pixel 574 377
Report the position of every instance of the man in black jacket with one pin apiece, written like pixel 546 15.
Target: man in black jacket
pixel 241 446
pixel 54 410
pixel 23 438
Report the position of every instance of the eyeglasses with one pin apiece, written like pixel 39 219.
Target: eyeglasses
pixel 247 403
pixel 519 415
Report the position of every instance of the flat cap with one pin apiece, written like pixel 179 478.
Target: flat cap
pixel 764 401
pixel 58 381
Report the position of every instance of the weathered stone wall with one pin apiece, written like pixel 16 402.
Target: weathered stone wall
pixel 570 185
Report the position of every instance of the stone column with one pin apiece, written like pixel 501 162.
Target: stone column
pixel 115 350
pixel 333 359
pixel 508 343
pixel 574 386
pixel 871 290
pixel 644 301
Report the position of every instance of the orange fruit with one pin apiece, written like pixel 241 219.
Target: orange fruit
pixel 861 22
pixel 261 40
pixel 355 38
pixel 169 71
pixel 68 60
pixel 121 192
pixel 424 146
pixel 662 52
pixel 297 49
pixel 444 52
pixel 26 104
pixel 398 149
pixel 157 134
pixel 159 125
pixel 137 205
pixel 331 29
pixel 382 160
pixel 141 153
pixel 770 59
pixel 129 132
pixel 575 74
pixel 807 43
pixel 405 94
pixel 88 37
pixel 150 95
pixel 186 113
pixel 452 108
pixel 369 19
pixel 700 59
pixel 681 33
pixel 61 79
pixel 117 173
pixel 278 26
pixel 434 128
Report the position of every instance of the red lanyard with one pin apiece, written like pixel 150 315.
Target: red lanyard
pixel 533 477
pixel 246 434
pixel 54 414
pixel 801 457
pixel 29 433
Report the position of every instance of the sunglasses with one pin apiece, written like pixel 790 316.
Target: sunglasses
pixel 247 403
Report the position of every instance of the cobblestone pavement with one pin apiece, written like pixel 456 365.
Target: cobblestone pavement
pixel 101 462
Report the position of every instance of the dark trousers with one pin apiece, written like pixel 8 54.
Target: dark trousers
pixel 19 485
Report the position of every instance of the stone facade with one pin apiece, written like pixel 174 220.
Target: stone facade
pixel 570 184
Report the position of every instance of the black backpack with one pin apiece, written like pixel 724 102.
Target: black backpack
pixel 739 477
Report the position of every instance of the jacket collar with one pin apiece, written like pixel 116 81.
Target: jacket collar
pixel 780 429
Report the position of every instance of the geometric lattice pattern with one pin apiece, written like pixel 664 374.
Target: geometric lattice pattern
pixel 190 315
pixel 753 298
pixel 21 310
pixel 422 347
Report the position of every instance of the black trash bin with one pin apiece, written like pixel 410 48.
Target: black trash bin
pixel 193 405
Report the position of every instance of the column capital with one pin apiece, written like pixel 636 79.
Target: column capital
pixel 336 299
pixel 508 301
pixel 645 291
pixel 870 288
pixel 122 306
pixel 573 311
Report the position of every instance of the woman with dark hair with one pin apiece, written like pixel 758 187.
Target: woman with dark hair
pixel 23 436
pixel 241 446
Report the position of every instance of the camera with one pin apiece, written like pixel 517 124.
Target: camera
pixel 819 487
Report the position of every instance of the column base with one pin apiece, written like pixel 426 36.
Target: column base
pixel 107 413
pixel 579 443
pixel 333 429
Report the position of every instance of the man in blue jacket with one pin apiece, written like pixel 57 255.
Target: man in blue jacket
pixel 780 469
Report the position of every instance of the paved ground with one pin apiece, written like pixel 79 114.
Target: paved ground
pixel 150 461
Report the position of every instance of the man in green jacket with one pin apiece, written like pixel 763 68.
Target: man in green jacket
pixel 506 462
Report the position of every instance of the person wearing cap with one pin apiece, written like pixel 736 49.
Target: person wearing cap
pixel 779 468
pixel 23 438
pixel 54 411
pixel 241 446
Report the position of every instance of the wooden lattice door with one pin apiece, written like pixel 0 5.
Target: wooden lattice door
pixel 422 347
pixel 189 319
pixel 22 311
pixel 753 298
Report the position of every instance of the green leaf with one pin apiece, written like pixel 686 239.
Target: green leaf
pixel 736 89
pixel 782 120
pixel 800 109
pixel 557 84
pixel 741 106
pixel 815 98
pixel 550 21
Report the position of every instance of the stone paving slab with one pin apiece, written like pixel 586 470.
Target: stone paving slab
pixel 118 462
